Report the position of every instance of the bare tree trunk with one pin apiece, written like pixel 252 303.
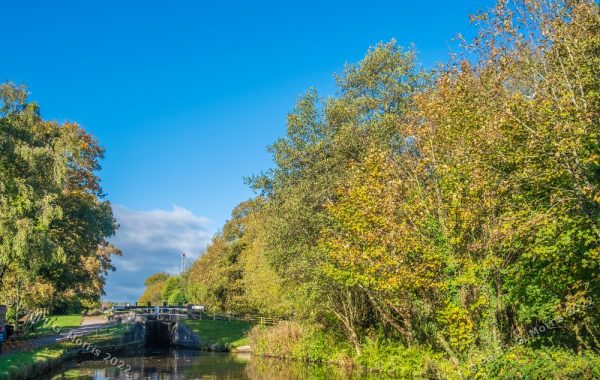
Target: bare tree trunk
pixel 350 331
pixel 350 308
pixel 404 327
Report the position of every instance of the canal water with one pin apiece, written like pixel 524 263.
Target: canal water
pixel 165 363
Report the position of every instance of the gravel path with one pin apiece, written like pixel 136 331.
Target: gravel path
pixel 88 325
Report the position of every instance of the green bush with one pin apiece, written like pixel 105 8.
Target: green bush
pixel 276 341
pixel 304 342
pixel 541 363
pixel 389 356
pixel 317 345
pixel 298 341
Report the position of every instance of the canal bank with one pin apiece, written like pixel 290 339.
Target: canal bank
pixel 105 344
pixel 109 343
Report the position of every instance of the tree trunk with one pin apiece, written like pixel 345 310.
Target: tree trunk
pixel 389 319
pixel 349 306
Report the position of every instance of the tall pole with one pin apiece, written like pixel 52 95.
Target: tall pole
pixel 182 263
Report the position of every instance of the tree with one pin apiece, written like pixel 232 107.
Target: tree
pixel 222 278
pixel 324 140
pixel 508 136
pixel 155 285
pixel 458 210
pixel 174 292
pixel 54 221
pixel 380 240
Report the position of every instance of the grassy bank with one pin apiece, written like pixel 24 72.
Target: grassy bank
pixel 19 364
pixel 230 334
pixel 25 364
pixel 49 325
pixel 296 341
pixel 63 321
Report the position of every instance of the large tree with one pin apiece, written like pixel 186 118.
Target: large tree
pixel 54 222
pixel 324 139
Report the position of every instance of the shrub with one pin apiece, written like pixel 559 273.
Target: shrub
pixel 276 341
pixel 393 357
pixel 542 363
pixel 294 340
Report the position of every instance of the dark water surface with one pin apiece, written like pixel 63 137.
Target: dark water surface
pixel 158 363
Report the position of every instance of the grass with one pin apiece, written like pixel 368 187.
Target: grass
pixel 229 333
pixel 21 360
pixel 56 321
pixel 63 321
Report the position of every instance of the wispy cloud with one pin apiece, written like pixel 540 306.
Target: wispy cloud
pixel 152 241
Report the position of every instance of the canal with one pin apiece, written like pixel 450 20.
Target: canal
pixel 171 363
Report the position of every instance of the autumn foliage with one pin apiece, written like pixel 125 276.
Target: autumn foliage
pixel 455 209
pixel 54 220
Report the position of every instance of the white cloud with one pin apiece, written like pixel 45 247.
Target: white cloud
pixel 152 241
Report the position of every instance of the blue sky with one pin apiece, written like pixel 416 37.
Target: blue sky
pixel 186 95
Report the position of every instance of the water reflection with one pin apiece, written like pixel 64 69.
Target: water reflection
pixel 186 364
